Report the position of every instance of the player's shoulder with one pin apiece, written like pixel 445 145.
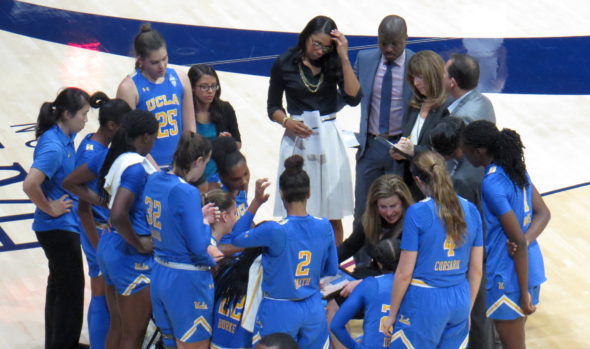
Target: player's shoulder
pixel 495 176
pixel 421 206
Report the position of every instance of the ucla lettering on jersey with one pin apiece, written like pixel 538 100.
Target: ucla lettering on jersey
pixel 164 100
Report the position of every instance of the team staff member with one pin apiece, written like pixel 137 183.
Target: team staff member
pixel 513 211
pixel 427 108
pixel 84 184
pixel 297 252
pixel 440 264
pixel 316 76
pixel 125 253
pixel 163 91
pixel 54 223
pixel 181 238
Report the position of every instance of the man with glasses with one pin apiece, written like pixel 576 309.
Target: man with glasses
pixel 383 79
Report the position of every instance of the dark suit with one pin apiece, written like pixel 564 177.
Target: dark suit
pixel 372 158
pixel 423 144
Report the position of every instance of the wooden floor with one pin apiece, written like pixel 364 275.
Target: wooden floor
pixel 554 129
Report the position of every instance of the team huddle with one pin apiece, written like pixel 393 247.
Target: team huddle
pixel 157 198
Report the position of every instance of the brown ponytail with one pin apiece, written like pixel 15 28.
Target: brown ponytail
pixel 430 167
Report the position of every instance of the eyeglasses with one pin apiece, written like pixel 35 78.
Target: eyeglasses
pixel 318 45
pixel 205 87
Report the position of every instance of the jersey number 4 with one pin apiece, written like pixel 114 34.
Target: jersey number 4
pixel 303 266
pixel 154 210
pixel 449 246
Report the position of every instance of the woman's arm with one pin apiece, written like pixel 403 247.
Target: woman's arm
pixel 231 121
pixel 541 217
pixel 352 86
pixel 188 109
pixel 88 223
pixel 127 92
pixel 512 230
pixel 347 310
pixel 124 199
pixel 76 182
pixel 32 187
pixel 475 271
pixel 352 244
pixel 403 277
pixel 274 104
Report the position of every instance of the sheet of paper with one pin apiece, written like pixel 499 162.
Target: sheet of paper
pixel 349 139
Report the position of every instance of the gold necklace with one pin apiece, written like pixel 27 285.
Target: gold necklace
pixel 313 88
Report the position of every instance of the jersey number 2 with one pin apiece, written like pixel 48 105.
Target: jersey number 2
pixel 303 266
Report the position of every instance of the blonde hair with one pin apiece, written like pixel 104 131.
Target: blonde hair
pixel 383 187
pixel 430 67
pixel 431 168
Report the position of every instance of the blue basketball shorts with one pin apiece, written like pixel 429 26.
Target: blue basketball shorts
pixel 305 320
pixel 182 302
pixel 90 252
pixel 122 266
pixel 431 317
pixel 503 305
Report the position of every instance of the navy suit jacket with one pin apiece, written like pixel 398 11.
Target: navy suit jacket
pixel 365 67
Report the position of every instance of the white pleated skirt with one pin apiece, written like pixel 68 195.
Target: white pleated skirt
pixel 329 173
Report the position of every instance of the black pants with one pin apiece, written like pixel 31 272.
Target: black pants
pixel 64 301
pixel 481 334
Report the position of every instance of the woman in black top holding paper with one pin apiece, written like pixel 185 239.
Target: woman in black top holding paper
pixel 316 76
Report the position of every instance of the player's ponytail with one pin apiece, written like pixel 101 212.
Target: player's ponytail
pixel 430 167
pixel 110 109
pixel 191 146
pixel 231 280
pixel 70 99
pixel 504 146
pixel 294 181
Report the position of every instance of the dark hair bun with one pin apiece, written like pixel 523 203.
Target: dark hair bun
pixel 98 99
pixel 222 146
pixel 294 164
pixel 145 27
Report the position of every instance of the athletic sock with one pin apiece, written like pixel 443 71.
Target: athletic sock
pixel 98 322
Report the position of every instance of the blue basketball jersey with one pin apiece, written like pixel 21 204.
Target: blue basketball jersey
pixel 86 153
pixel 499 196
pixel 298 251
pixel 164 100
pixel 440 262
pixel 173 211
pixel 54 156
pixel 133 179
pixel 227 331
pixel 374 296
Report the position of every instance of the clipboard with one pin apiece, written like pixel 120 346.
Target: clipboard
pixel 334 284
pixel 390 145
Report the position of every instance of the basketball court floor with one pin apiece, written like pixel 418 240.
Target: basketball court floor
pixel 534 57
